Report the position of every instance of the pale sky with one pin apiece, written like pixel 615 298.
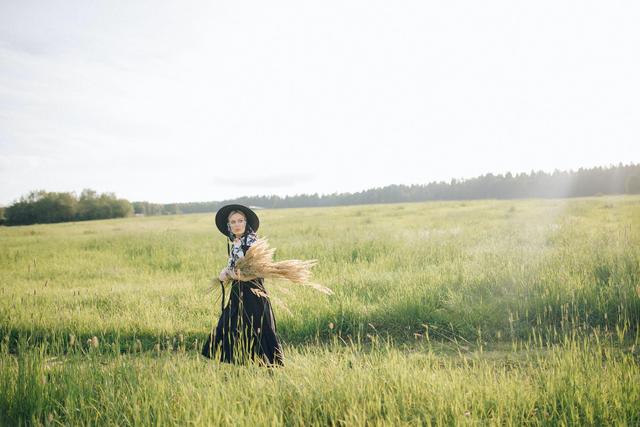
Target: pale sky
pixel 196 101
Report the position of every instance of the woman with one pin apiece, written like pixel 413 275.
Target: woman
pixel 246 328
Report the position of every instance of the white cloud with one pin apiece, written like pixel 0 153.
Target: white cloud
pixel 163 101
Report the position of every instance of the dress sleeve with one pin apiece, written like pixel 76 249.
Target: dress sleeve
pixel 251 239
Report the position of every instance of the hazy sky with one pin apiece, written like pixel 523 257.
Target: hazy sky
pixel 195 101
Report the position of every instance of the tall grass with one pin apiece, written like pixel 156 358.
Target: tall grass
pixel 578 381
pixel 507 312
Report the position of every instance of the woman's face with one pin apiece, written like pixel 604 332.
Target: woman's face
pixel 237 223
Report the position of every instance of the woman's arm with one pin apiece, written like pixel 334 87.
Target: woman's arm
pixel 229 273
pixel 236 275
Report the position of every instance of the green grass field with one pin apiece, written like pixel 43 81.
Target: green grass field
pixel 478 312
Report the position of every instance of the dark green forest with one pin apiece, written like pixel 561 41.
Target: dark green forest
pixel 620 179
pixel 42 207
pixel 49 207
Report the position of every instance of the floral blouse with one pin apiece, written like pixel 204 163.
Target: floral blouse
pixel 239 248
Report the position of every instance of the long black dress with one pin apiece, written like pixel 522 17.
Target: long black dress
pixel 246 329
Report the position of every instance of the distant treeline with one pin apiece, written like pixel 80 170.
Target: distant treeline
pixel 619 179
pixel 43 207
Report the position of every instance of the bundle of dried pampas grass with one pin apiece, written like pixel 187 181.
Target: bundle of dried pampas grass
pixel 258 262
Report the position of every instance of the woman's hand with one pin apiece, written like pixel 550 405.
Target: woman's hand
pixel 223 274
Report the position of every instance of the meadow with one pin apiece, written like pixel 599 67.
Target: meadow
pixel 492 312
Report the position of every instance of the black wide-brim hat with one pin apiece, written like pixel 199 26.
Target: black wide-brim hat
pixel 222 217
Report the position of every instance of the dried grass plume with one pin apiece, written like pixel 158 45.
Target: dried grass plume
pixel 258 262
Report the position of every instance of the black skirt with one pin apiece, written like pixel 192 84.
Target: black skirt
pixel 246 329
